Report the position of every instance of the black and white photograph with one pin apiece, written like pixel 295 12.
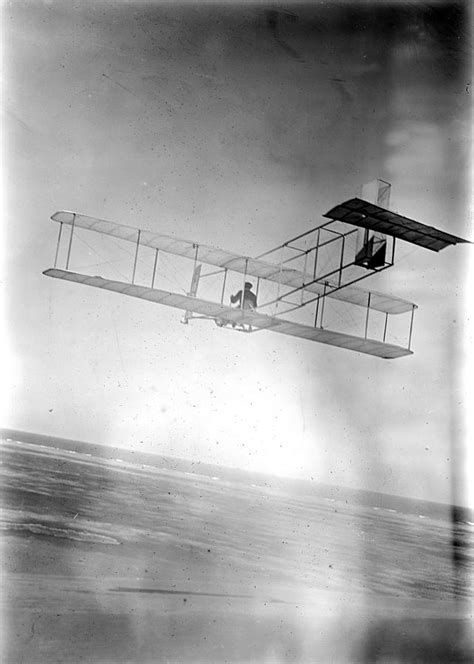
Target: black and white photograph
pixel 229 433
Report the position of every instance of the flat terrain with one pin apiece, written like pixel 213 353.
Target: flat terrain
pixel 111 561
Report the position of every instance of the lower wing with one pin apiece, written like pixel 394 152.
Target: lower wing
pixel 228 314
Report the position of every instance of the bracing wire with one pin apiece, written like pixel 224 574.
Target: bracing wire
pixel 104 262
pixel 177 281
pixel 163 259
pixel 119 246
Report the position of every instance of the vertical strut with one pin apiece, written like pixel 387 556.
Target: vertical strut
pixel 316 254
pixel 367 317
pixel 70 239
pixel 304 274
pixel 317 312
pixel 279 285
pixel 385 327
pixel 223 286
pixel 411 325
pixel 136 257
pixel 59 241
pixel 154 269
pixel 322 307
pixel 245 279
pixel 342 260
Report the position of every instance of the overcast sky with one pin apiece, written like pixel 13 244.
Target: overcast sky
pixel 237 127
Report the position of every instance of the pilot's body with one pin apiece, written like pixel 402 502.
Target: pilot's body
pixel 250 299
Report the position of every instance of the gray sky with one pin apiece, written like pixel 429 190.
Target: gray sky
pixel 209 123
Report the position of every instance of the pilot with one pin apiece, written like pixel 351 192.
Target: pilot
pixel 250 299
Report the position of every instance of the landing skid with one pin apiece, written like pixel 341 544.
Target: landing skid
pixel 236 327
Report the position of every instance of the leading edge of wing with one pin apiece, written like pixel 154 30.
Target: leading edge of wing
pixel 227 260
pixel 231 315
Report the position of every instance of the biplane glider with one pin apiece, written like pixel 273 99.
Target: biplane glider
pixel 295 282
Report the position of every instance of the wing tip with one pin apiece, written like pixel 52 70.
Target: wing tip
pixel 61 215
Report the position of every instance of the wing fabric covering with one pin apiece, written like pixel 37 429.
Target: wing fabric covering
pixel 228 260
pixel 368 215
pixel 232 315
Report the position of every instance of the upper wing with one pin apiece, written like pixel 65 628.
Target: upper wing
pixel 368 215
pixel 231 315
pixel 227 260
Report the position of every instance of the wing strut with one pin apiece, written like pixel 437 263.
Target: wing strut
pixel 237 316
pixel 286 276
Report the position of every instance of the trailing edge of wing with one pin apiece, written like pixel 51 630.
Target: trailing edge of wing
pixel 231 315
pixel 225 259
pixel 368 215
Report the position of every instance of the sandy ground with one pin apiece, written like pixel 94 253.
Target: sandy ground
pixel 107 561
pixel 58 619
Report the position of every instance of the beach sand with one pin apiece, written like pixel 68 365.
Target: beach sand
pixel 105 560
